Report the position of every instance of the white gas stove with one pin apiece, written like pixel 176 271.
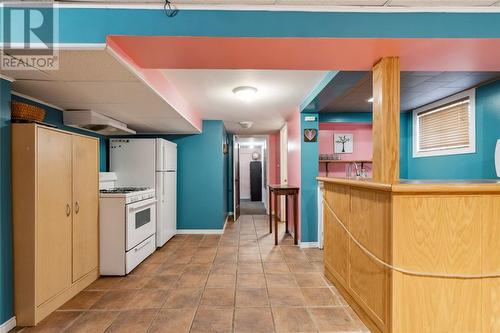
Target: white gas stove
pixel 127 225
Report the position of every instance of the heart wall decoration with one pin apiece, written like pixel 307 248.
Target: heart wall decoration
pixel 310 135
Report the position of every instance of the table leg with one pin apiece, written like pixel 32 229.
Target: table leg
pixel 286 214
pixel 270 205
pixel 295 220
pixel 275 219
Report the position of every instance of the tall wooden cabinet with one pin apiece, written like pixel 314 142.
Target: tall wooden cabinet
pixel 55 213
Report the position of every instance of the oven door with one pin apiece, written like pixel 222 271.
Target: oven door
pixel 141 221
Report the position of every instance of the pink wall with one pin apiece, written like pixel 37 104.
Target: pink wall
pixel 294 139
pixel 362 149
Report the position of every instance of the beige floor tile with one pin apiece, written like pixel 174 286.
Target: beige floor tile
pixel 221 281
pixel 332 319
pixel 162 282
pixel 276 268
pixel 250 258
pixel 251 281
pixel 224 268
pixel 293 320
pixel 192 280
pixel 173 321
pixel 105 283
pixel 213 320
pixel 115 300
pixel 171 269
pixel 132 282
pixel 250 267
pixel 148 298
pixel 198 268
pixel 218 297
pixel 357 322
pixel 258 320
pixel 303 267
pixel 319 297
pixel 55 322
pixel 310 280
pixel 93 321
pixel 281 281
pixel 133 321
pixel 251 297
pixel 286 297
pixel 183 298
pixel 82 301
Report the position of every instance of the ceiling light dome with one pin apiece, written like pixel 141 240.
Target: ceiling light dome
pixel 245 93
pixel 246 124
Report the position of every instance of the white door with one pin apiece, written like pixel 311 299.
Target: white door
pixel 161 155
pixel 283 164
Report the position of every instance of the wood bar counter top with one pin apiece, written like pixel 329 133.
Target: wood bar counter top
pixel 417 255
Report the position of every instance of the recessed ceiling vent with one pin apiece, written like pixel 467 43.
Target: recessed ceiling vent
pixel 95 122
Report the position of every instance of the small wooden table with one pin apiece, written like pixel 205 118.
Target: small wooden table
pixel 285 190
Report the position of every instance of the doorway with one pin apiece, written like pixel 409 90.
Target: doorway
pixel 252 177
pixel 283 166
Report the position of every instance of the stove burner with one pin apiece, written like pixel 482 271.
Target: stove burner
pixel 124 189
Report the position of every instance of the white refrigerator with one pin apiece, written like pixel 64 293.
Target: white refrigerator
pixel 149 163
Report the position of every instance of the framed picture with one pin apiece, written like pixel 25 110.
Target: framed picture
pixel 343 143
pixel 310 135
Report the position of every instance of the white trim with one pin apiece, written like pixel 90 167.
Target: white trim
pixel 200 231
pixel 297 8
pixel 62 46
pixel 36 100
pixel 471 149
pixel 8 325
pixel 308 245
pixel 8 78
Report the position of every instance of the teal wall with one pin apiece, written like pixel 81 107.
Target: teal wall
pixel 252 23
pixel 309 153
pixel 479 165
pixel 6 285
pixel 201 177
pixel 55 117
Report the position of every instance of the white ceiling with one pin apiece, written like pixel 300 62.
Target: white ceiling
pixel 279 94
pixel 95 80
pixel 313 3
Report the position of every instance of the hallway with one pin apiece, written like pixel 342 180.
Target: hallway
pixel 235 282
pixel 248 207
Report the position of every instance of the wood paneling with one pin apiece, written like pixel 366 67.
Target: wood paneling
pixel 491 262
pixel 386 114
pixel 336 239
pixel 454 232
pixel 53 227
pixel 370 225
pixel 85 207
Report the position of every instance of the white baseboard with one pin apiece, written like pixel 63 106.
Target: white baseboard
pixel 8 325
pixel 308 245
pixel 200 231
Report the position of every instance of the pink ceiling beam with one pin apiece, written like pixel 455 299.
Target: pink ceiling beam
pixel 159 83
pixel 417 54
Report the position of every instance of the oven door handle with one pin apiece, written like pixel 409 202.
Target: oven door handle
pixel 141 204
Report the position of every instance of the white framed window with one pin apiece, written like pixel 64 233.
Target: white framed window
pixel 446 127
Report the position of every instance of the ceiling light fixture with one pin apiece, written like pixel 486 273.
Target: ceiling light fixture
pixel 245 93
pixel 246 124
pixel 370 100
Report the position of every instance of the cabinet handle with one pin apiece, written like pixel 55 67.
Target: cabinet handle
pixel 68 210
pixel 77 207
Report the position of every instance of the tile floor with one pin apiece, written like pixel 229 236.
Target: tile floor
pixel 235 282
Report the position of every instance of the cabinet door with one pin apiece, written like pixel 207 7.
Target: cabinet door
pixel 85 205
pixel 53 228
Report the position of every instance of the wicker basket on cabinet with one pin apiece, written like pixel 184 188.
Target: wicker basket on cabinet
pixel 23 112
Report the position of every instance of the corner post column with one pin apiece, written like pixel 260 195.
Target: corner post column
pixel 386 115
